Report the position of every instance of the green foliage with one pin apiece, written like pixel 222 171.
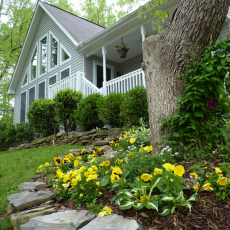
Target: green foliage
pixel 110 109
pixel 135 106
pixel 41 115
pixel 198 122
pixel 93 208
pixel 66 102
pixel 14 135
pixel 5 224
pixel 87 113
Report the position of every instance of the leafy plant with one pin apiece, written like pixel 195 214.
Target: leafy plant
pixel 134 106
pixel 198 124
pixel 42 115
pixel 87 113
pixel 123 46
pixel 66 102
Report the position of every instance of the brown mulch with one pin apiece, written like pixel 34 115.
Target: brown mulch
pixel 208 212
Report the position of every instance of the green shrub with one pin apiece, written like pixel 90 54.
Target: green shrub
pixel 14 135
pixel 66 102
pixel 87 113
pixel 110 109
pixel 42 115
pixel 135 106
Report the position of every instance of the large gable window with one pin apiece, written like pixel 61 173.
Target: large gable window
pixel 54 52
pixel 25 80
pixel 31 95
pixel 41 90
pixel 65 55
pixel 34 65
pixel 23 107
pixel 43 57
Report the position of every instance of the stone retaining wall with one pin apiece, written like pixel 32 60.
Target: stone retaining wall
pixel 74 137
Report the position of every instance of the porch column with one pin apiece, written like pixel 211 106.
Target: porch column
pixel 143 32
pixel 104 52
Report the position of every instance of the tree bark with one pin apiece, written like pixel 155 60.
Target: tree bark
pixel 193 24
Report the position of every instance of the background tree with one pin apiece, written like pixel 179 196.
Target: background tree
pixel 192 25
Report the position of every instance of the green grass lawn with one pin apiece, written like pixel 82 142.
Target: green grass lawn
pixel 18 166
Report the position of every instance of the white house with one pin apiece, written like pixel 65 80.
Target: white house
pixel 63 50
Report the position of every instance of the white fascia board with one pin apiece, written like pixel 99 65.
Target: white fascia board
pixel 61 27
pixel 22 51
pixel 11 91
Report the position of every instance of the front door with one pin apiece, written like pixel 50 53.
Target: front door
pixel 100 75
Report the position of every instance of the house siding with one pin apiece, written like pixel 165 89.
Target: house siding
pixel 76 62
pixel 224 31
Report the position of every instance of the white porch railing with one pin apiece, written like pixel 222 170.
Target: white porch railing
pixel 126 82
pixel 78 82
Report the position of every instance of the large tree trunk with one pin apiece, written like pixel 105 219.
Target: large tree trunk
pixel 193 23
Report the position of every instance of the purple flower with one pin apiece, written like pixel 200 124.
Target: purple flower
pixel 187 187
pixel 190 177
pixel 195 185
pixel 212 102
pixel 196 178
pixel 190 182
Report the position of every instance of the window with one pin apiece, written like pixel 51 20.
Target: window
pixel 65 73
pixel 31 95
pixel 23 107
pixel 43 57
pixel 34 65
pixel 64 54
pixel 52 80
pixel 41 90
pixel 25 81
pixel 54 52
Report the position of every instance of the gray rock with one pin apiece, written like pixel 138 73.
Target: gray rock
pixel 50 138
pixel 35 178
pixel 100 143
pixel 33 142
pixel 112 222
pixel 86 142
pixel 11 209
pixel 115 132
pixel 100 133
pixel 67 220
pixel 76 152
pixel 31 185
pixel 84 138
pixel 39 141
pixel 108 151
pixel 61 134
pixel 20 218
pixel 28 199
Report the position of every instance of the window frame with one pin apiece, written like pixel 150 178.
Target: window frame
pixel 50 52
pixel 25 91
pixel 27 73
pixel 63 48
pixel 63 69
pixel 40 55
pixel 44 80
pixel 54 75
pixel 30 72
pixel 95 63
pixel 35 93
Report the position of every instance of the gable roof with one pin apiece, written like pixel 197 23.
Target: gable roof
pixel 73 26
pixel 79 28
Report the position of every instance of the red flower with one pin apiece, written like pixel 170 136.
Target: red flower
pixel 99 154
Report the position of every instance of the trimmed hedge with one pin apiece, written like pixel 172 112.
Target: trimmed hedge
pixel 87 113
pixel 42 116
pixel 66 102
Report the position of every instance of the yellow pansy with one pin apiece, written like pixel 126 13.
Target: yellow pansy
pixel 116 170
pixel 41 166
pixel 70 156
pixel 83 151
pixel 137 195
pixel 218 170
pixel 171 180
pixel 206 185
pixel 157 171
pixel 179 170
pixel 93 159
pixel 65 160
pixel 108 210
pixel 168 166
pixel 106 163
pixel 76 163
pixel 86 174
pixel 146 177
pixel 97 183
pixel 114 178
pixel 223 181
pixel 100 193
pixel 66 177
pixel 74 181
pixel 124 136
pixel 103 213
pixel 81 195
pixel 196 188
pixel 208 188
pixel 132 140
pixel 94 167
pixel 119 161
pixel 193 174
pixel 57 160
pixel 46 164
pixel 146 197
pixel 131 155
pixel 79 158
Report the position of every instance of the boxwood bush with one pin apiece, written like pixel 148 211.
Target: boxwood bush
pixel 66 102
pixel 87 113
pixel 134 106
pixel 42 116
pixel 110 109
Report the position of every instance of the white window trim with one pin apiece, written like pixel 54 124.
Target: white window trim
pixel 95 63
pixel 40 55
pixel 28 77
pixel 44 80
pixel 50 56
pixel 30 68
pixel 26 105
pixel 63 48
pixel 54 75
pixel 35 95
pixel 68 67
